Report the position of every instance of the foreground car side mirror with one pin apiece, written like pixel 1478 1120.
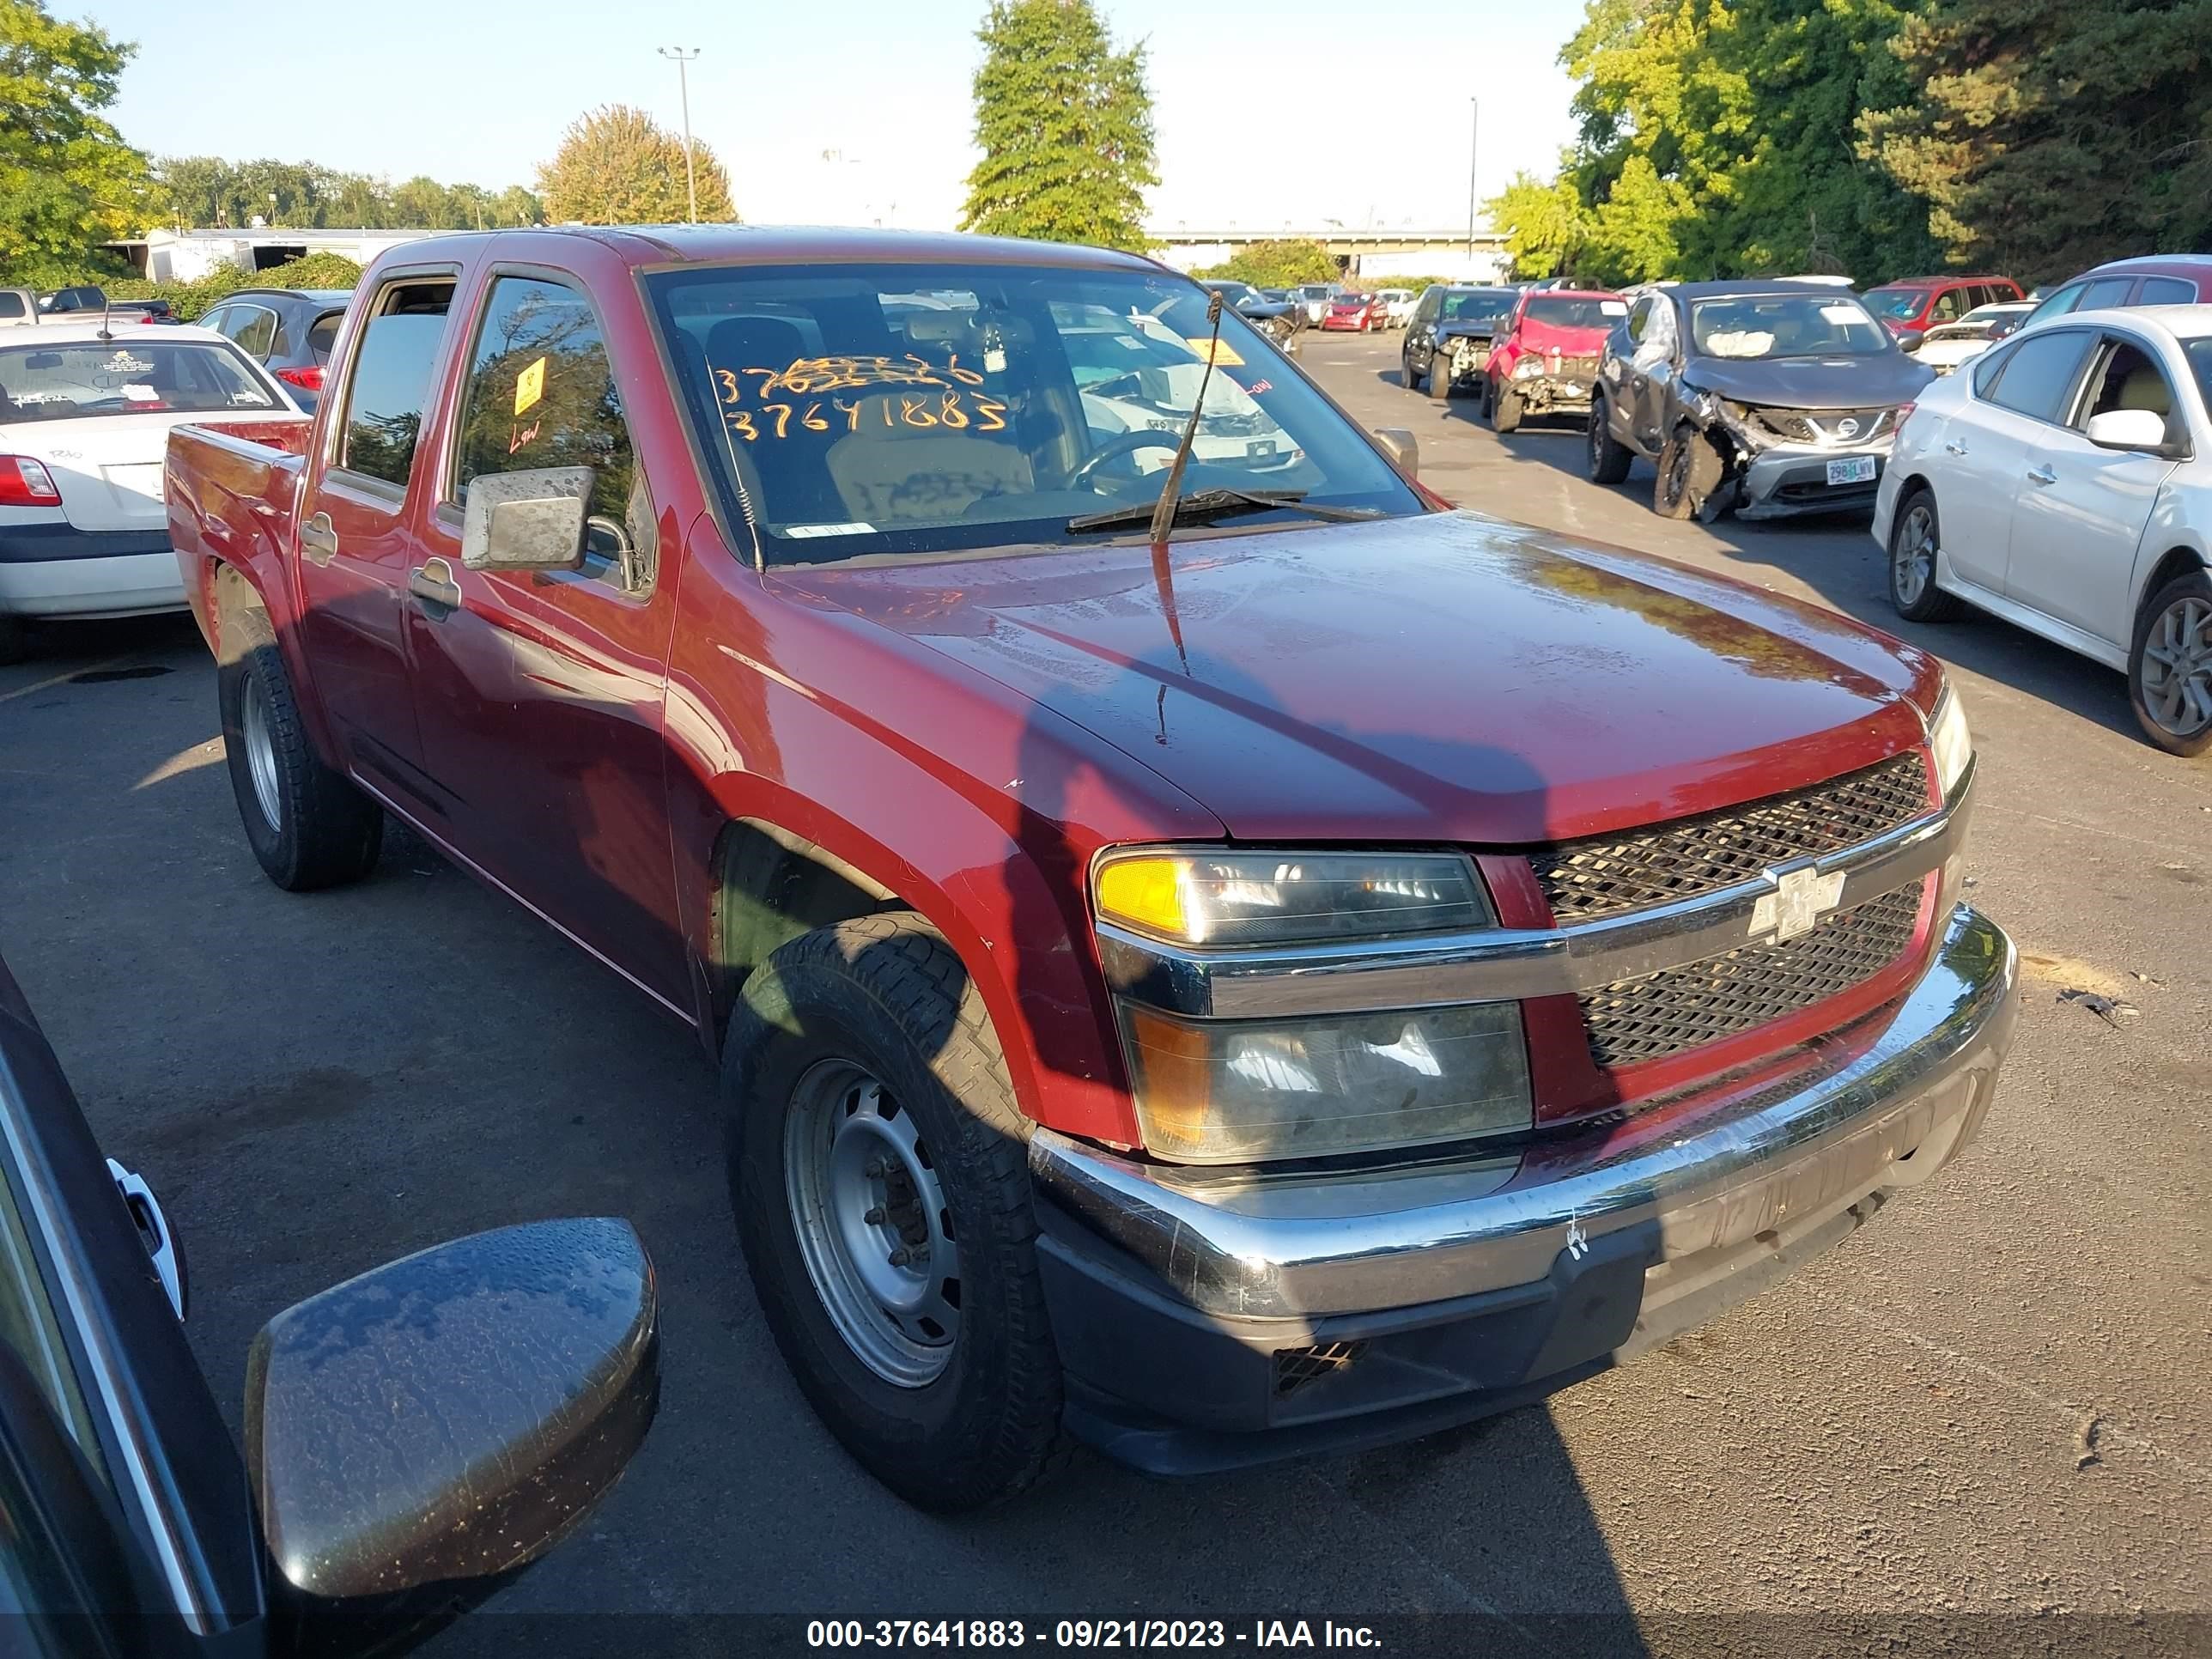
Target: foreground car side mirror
pixel 416 1435
pixel 527 520
pixel 1402 447
pixel 2127 428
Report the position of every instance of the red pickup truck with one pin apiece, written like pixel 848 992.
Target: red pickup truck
pixel 1544 361
pixel 1329 971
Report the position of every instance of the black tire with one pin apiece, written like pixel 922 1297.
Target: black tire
pixel 1916 598
pixel 1609 458
pixel 886 994
pixel 1440 374
pixel 2187 596
pixel 15 641
pixel 1405 376
pixel 1505 408
pixel 1689 470
pixel 325 832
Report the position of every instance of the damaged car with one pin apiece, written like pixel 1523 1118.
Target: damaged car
pixel 1447 342
pixel 1544 360
pixel 1767 398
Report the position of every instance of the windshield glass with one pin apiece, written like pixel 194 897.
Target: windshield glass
pixel 916 409
pixel 1235 293
pixel 126 377
pixel 1786 325
pixel 1316 290
pixel 1482 304
pixel 1902 303
pixel 1575 314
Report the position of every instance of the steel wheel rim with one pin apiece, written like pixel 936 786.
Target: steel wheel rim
pixel 2177 667
pixel 260 752
pixel 1912 565
pixel 872 1222
pixel 1596 434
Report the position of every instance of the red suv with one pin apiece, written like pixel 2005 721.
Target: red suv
pixel 2166 279
pixel 1911 306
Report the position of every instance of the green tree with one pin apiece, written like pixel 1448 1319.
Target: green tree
pixel 516 206
pixel 1279 264
pixel 617 166
pixel 67 182
pixel 2049 136
pixel 1546 224
pixel 1065 124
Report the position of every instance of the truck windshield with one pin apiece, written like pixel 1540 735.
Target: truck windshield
pixel 1902 303
pixel 125 376
pixel 1483 305
pixel 883 409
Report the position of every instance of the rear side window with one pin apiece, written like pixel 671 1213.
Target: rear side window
pixel 2036 379
pixel 391 382
pixel 325 334
pixel 11 305
pixel 2167 291
pixel 256 331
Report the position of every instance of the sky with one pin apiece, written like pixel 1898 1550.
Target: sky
pixel 857 111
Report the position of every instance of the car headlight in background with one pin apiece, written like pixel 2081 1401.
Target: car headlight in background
pixel 1950 742
pixel 1239 1090
pixel 1236 899
pixel 1528 369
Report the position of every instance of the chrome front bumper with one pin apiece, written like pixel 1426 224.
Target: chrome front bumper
pixel 1781 466
pixel 1752 1174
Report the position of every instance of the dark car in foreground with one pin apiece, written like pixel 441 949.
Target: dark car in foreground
pixel 1767 398
pixel 414 1437
pixel 1171 987
pixel 288 330
pixel 1447 344
pixel 2152 279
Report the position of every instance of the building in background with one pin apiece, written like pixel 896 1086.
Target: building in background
pixel 171 256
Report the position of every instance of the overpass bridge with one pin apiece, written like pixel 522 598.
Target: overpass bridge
pixel 1368 251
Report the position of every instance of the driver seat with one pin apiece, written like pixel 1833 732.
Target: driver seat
pixel 888 472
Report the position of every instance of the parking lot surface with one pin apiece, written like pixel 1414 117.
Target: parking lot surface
pixel 1995 1400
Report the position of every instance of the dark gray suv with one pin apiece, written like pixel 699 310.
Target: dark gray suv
pixel 288 330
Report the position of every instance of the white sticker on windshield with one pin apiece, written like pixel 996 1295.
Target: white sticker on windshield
pixel 829 530
pixel 124 363
pixel 1612 308
pixel 1846 314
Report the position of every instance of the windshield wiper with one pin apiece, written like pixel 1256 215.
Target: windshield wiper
pixel 1208 505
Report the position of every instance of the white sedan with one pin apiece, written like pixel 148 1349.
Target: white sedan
pixel 1398 305
pixel 1946 346
pixel 2063 481
pixel 85 413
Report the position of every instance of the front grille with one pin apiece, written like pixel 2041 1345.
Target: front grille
pixel 1820 426
pixel 1664 1013
pixel 1608 874
pixel 1297 1367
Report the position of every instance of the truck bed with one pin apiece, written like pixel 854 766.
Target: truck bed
pixel 232 486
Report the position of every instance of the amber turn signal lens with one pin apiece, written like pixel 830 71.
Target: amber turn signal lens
pixel 1146 893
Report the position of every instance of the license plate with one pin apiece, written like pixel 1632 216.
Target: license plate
pixel 1855 469
pixel 1262 447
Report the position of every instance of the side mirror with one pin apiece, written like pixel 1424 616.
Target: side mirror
pixel 1402 447
pixel 418 1434
pixel 2127 428
pixel 528 520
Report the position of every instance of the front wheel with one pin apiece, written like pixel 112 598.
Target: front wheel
pixel 308 826
pixel 1608 457
pixel 1689 471
pixel 2170 669
pixel 1914 541
pixel 1440 375
pixel 879 1171
pixel 1505 407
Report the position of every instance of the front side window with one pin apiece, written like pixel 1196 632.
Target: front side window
pixel 913 408
pixel 1950 304
pixel 127 376
pixel 2107 291
pixel 2037 377
pixel 1770 326
pixel 31 1324
pixel 2056 304
pixel 391 372
pixel 2128 378
pixel 541 393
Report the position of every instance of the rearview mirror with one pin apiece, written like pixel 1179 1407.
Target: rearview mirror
pixel 417 1434
pixel 528 520
pixel 1402 447
pixel 2127 428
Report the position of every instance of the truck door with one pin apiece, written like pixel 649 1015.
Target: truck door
pixel 540 694
pixel 355 548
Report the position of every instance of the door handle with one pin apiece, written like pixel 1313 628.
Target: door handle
pixel 1953 446
pixel 319 543
pixel 2041 475
pixel 432 582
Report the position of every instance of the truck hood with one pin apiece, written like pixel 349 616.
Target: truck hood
pixel 1544 338
pixel 1445 677
pixel 1875 382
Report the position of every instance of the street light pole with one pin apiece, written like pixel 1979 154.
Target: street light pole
pixel 681 56
pixel 1475 133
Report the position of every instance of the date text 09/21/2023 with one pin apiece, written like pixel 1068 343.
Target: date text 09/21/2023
pixel 1087 1634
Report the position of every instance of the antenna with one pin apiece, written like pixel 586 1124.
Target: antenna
pixel 104 334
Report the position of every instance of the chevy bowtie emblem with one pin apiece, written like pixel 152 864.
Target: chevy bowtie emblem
pixel 1795 906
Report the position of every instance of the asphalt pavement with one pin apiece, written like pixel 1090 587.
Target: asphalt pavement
pixel 1992 1404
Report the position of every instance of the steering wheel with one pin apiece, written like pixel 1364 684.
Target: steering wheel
pixel 1126 443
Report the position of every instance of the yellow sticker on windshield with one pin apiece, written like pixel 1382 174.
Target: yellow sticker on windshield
pixel 1224 354
pixel 529 385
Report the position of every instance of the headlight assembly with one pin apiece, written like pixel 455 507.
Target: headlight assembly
pixel 1235 898
pixel 1528 369
pixel 1950 742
